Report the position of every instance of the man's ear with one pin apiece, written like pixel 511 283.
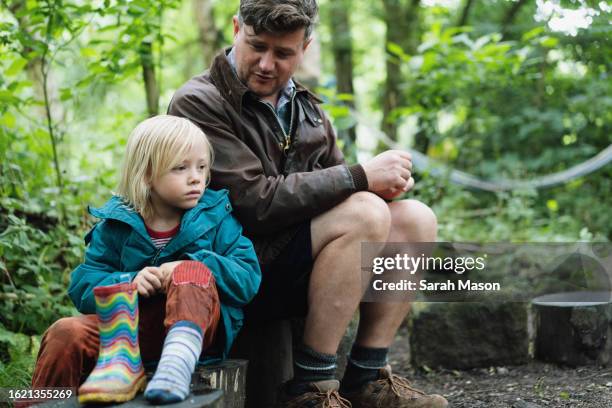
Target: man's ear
pixel 236 23
pixel 307 43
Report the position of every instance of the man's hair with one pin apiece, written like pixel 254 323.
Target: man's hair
pixel 276 16
pixel 154 147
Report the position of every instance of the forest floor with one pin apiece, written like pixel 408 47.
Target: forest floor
pixel 535 385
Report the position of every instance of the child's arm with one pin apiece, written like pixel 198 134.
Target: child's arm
pixel 233 263
pixel 101 266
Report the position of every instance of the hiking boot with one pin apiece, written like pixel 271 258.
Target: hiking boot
pixel 324 394
pixel 392 391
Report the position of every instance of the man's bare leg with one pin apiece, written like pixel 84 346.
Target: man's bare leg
pixel 411 221
pixel 335 284
pixel 367 382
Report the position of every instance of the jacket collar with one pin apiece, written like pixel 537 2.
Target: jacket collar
pixel 210 210
pixel 233 90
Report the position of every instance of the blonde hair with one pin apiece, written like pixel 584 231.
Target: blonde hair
pixel 154 147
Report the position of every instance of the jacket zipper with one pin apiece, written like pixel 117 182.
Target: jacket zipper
pixel 156 257
pixel 287 143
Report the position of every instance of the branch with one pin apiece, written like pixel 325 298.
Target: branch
pixel 44 68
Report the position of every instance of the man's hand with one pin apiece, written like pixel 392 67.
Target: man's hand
pixel 149 281
pixel 394 193
pixel 390 173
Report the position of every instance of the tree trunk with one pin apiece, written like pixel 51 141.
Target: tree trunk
pixel 510 16
pixel 401 19
pixel 148 75
pixel 465 13
pixel 342 49
pixel 39 72
pixel 210 37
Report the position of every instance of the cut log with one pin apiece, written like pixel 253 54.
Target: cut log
pixel 216 386
pixel 229 377
pixel 202 398
pixel 574 328
pixel 268 348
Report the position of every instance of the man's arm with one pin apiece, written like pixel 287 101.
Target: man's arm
pixel 264 204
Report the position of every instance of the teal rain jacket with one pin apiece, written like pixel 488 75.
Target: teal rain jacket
pixel 119 247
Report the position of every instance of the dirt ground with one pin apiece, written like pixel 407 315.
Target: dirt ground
pixel 535 385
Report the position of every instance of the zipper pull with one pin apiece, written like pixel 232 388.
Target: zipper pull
pixel 287 144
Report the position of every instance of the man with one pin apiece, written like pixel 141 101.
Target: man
pixel 305 210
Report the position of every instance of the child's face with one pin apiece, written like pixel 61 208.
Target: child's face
pixel 182 186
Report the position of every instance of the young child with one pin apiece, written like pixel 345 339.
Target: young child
pixel 167 238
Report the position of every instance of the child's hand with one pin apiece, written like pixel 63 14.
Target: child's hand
pixel 166 271
pixel 149 281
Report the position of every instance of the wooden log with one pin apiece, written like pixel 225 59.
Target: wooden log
pixel 574 328
pixel 268 348
pixel 229 377
pixel 200 398
pixel 216 386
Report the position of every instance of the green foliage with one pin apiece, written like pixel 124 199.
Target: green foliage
pixel 18 353
pixel 35 266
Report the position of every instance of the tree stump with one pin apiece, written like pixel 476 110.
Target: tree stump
pixel 268 348
pixel 574 328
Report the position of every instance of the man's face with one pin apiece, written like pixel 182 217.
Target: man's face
pixel 265 62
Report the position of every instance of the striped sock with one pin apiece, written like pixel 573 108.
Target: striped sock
pixel 364 364
pixel 181 351
pixel 310 366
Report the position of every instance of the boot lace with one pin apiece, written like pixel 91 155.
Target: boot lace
pixel 400 387
pixel 331 399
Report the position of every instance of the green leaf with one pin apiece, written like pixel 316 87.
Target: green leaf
pixel 532 33
pixel 16 67
pixel 396 49
pixel 89 52
pixel 8 120
pixel 549 42
pixel 66 94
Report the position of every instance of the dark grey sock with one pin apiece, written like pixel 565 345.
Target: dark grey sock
pixel 310 366
pixel 363 366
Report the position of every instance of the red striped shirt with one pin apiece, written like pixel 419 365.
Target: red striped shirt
pixel 161 238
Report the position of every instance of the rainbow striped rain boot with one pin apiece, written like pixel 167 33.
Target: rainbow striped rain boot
pixel 118 374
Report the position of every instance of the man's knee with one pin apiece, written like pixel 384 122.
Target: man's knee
pixel 413 221
pixel 369 215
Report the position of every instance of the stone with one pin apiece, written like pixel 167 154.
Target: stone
pixel 469 335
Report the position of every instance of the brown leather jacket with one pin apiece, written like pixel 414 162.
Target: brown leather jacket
pixel 273 190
